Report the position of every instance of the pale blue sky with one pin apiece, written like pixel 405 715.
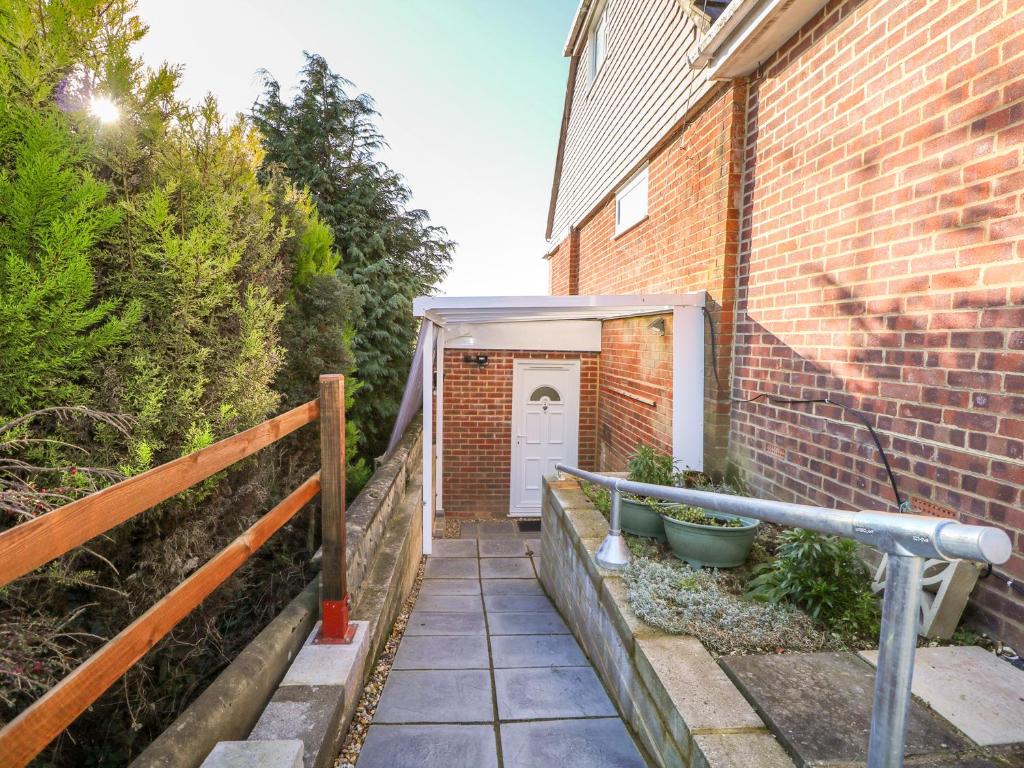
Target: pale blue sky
pixel 470 94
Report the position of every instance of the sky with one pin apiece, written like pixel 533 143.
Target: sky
pixel 470 94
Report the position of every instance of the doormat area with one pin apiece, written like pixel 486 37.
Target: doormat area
pixel 529 526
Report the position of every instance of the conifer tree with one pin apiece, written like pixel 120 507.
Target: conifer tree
pixel 328 141
pixel 53 214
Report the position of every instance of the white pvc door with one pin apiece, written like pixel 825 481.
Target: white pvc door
pixel 545 426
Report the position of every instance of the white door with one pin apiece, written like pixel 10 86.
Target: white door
pixel 545 427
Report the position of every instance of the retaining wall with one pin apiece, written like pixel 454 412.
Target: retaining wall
pixel 670 690
pixel 383 548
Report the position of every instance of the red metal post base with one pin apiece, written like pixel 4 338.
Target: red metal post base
pixel 335 629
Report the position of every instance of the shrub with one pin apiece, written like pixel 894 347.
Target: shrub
pixel 697 516
pixel 599 496
pixel 646 465
pixel 823 576
pixel 677 599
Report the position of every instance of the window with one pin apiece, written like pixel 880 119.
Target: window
pixel 549 392
pixel 631 202
pixel 598 44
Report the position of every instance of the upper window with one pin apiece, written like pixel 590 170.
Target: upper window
pixel 598 44
pixel 631 201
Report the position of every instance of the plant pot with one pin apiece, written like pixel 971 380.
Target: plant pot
pixel 711 545
pixel 638 518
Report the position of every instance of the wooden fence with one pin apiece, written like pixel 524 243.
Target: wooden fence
pixel 36 542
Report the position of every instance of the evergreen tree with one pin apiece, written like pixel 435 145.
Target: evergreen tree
pixel 53 214
pixel 327 141
pixel 146 268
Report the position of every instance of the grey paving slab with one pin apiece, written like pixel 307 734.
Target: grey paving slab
pixel 451 568
pixel 568 744
pixel 527 623
pixel 819 706
pixel 449 587
pixel 536 651
pixel 504 603
pixel 533 546
pixel 975 690
pixel 442 652
pixel 493 529
pixel 550 692
pixel 453 548
pixel 468 530
pixel 450 603
pixel 507 568
pixel 436 696
pixel 502 547
pixel 441 623
pixel 429 746
pixel 512 587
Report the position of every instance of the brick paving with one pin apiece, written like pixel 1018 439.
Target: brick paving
pixel 488 675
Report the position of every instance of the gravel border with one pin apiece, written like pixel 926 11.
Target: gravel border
pixel 452 529
pixel 367 705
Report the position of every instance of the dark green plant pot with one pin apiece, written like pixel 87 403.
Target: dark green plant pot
pixel 711 545
pixel 638 518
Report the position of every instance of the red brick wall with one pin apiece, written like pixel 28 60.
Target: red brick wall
pixel 635 363
pixel 559 283
pixel 882 264
pixel 478 432
pixel 687 243
pixel 880 261
pixel 564 267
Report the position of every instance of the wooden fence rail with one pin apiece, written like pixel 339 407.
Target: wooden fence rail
pixel 29 545
pixel 25 736
pixel 36 542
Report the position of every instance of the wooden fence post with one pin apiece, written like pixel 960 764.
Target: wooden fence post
pixel 334 595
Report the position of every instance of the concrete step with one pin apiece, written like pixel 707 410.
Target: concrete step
pixel 819 707
pixel 974 689
pixel 255 754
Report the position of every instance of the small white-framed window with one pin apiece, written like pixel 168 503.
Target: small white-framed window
pixel 631 201
pixel 598 44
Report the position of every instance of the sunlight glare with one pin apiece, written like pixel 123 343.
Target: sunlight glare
pixel 104 109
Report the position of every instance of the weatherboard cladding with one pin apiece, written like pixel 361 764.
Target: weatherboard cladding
pixel 644 88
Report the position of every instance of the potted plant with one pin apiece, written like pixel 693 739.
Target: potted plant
pixel 702 537
pixel 640 516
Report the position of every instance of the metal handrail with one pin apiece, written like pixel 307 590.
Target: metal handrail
pixel 906 539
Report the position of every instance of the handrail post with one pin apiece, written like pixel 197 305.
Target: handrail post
pixel 906 539
pixel 335 600
pixel 896 647
pixel 613 553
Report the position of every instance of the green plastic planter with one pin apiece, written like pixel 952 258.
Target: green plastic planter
pixel 638 518
pixel 711 545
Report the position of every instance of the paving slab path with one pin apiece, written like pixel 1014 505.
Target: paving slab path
pixel 488 675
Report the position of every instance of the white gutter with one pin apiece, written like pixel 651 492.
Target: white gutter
pixel 582 11
pixel 731 17
pixel 749 32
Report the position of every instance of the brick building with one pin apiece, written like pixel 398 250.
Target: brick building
pixel 845 182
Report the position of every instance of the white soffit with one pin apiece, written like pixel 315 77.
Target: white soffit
pixel 750 31
pixel 541 335
pixel 445 310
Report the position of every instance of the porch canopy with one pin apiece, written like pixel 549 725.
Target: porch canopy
pixel 491 322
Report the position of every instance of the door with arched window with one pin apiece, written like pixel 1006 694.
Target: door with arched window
pixel 545 427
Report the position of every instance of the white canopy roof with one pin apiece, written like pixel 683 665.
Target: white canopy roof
pixel 442 310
